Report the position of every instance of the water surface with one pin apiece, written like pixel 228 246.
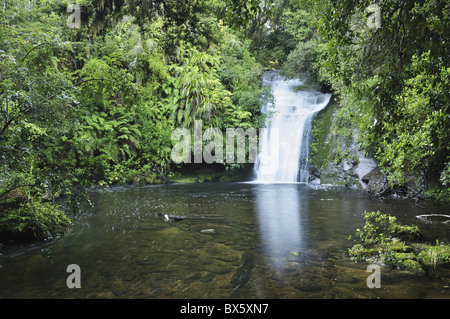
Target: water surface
pixel 238 240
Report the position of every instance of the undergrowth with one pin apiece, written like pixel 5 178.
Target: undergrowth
pixel 382 239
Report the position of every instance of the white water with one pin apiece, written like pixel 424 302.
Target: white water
pixel 284 143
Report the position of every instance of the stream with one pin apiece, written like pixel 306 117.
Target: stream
pixel 236 240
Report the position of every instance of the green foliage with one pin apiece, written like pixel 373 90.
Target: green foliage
pixel 383 239
pixel 379 227
pixel 35 108
pixel 197 90
pixel 97 105
pixel 240 13
pixel 393 79
pixel 445 176
pixel 420 137
pixel 33 220
pixel 435 254
pixel 241 74
pixel 276 34
pixel 305 59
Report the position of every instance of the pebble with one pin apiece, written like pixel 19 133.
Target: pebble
pixel 208 231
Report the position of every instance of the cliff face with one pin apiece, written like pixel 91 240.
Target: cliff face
pixel 335 157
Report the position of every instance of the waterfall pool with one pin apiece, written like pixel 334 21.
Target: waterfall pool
pixel 235 240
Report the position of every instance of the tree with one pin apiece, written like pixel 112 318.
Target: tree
pixel 393 79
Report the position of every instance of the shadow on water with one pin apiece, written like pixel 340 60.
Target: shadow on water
pixel 237 240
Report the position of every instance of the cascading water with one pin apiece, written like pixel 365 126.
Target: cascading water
pixel 284 142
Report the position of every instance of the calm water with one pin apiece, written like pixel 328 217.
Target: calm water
pixel 262 241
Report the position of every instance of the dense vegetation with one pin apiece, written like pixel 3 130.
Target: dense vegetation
pixel 96 104
pixel 392 78
pixel 383 239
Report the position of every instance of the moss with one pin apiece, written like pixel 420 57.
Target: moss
pixel 320 147
pixel 210 173
pixel 433 255
pixel 384 239
pixel 198 175
pixel 32 221
pixel 411 264
pixel 333 146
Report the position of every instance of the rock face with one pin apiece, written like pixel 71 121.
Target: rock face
pixel 336 158
pixel 339 174
pixel 360 173
pixel 352 171
pixel 375 180
pixel 365 166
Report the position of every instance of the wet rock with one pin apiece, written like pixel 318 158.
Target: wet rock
pixel 348 165
pixel 332 174
pixel 364 166
pixel 375 180
pixel 314 180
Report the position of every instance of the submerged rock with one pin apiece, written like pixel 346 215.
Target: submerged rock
pixel 208 231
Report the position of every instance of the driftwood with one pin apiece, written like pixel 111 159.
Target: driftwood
pixel 172 217
pixel 178 218
pixel 395 192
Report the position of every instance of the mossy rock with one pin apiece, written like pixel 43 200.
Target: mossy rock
pixel 434 254
pixel 379 244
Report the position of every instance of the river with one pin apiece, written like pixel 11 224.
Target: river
pixel 237 240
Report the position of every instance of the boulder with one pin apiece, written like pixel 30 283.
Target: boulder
pixel 375 180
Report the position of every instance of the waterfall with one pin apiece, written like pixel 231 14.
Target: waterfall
pixel 284 142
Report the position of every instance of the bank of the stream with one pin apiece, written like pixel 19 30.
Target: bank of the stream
pixel 236 240
pixel 334 156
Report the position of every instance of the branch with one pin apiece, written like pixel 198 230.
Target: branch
pixel 11 189
pixel 6 125
pixel 36 46
pixel 164 177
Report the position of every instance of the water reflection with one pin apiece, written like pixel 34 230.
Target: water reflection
pixel 279 216
pixel 126 250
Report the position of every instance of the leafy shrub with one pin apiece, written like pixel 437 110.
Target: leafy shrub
pixel 32 221
pixel 382 241
pixel 433 255
pixel 380 238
